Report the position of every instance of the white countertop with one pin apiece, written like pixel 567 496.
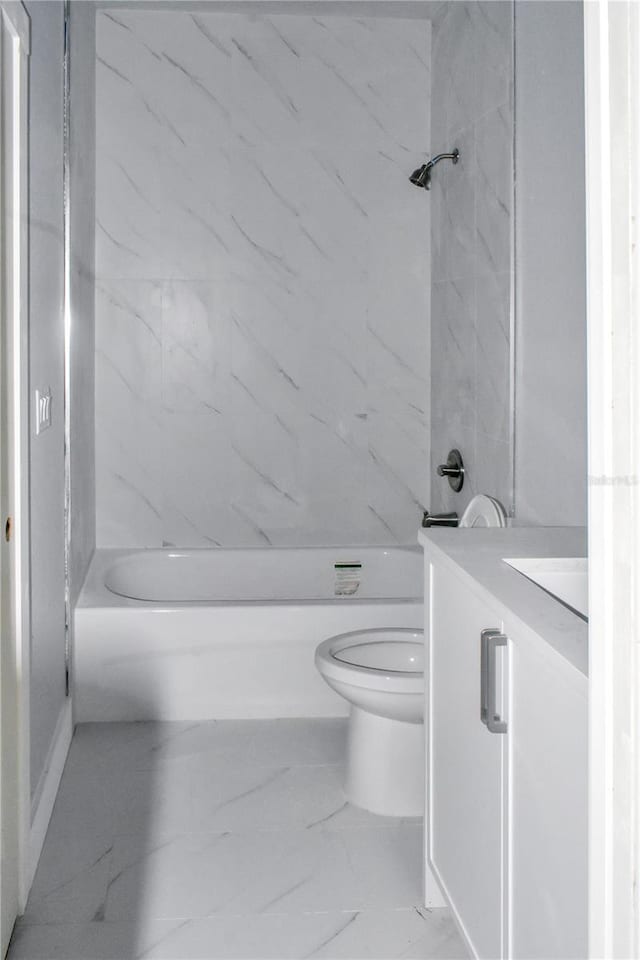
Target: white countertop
pixel 478 555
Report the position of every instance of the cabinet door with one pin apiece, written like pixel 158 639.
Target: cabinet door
pixel 548 771
pixel 466 788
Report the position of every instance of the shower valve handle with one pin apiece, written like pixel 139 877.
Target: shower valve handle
pixel 446 471
pixel 453 469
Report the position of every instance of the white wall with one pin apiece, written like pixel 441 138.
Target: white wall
pixel 46 363
pixel 551 397
pixel 262 312
pixel 82 257
pixel 472 109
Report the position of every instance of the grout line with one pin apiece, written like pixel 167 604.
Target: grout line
pixel 372 911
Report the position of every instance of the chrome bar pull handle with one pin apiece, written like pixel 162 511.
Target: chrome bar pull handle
pixel 495 722
pixel 484 702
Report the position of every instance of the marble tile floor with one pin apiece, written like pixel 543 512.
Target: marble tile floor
pixel 224 839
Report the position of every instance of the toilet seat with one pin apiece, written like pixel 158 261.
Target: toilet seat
pixel 398 656
pixel 483 511
pixel 382 659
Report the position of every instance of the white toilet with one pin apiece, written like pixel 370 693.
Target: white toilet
pixel 381 673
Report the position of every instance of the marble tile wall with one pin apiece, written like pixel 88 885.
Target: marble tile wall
pixel 472 109
pixel 262 274
pixel 551 310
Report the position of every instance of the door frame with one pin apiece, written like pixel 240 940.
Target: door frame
pixel 612 96
pixel 15 253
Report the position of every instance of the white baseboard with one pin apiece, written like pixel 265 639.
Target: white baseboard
pixel 47 790
pixel 433 896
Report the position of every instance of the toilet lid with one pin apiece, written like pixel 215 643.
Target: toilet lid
pixel 398 656
pixel 483 511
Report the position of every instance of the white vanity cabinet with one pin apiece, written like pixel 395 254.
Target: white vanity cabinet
pixel 506 773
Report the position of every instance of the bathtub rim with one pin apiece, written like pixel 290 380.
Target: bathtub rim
pixel 96 594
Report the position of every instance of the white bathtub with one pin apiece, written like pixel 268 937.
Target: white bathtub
pixel 207 634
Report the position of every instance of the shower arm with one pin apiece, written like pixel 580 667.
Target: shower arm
pixel 443 156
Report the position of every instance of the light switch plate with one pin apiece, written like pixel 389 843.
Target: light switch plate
pixel 43 411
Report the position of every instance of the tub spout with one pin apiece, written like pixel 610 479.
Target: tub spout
pixel 440 519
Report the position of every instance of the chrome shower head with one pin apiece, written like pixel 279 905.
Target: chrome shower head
pixel 421 177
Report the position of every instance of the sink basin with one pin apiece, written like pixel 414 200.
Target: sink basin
pixel 565 578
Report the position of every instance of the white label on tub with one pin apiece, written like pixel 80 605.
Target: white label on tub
pixel 348 577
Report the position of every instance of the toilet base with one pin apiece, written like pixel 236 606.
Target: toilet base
pixel 385 765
